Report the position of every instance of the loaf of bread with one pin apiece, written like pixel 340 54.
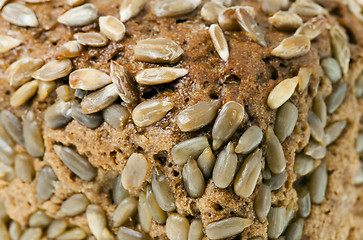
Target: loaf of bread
pixel 181 120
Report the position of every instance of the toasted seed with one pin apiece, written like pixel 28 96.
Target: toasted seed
pixel 45 184
pixel 24 168
pixel 307 8
pixel 19 15
pixel 24 93
pixel 316 127
pixel 334 100
pixel 14 231
pixel 228 120
pixel 304 77
pixel 246 178
pixel 21 71
pixel 262 202
pixel 358 87
pixel 118 191
pixel 319 108
pixel 100 99
pixel 286 118
pixel 158 214
pixel 70 49
pixel 163 194
pixel 75 233
pixel 315 150
pixel 249 26
pixel 313 28
pixel 7 152
pixel 295 230
pixel 332 69
pixel 304 203
pixel 340 47
pixel 189 148
pixel 177 227
pixel 206 161
pixel 13 126
pixel 333 131
pixel 275 155
pixel 294 46
pixel 45 89
pixel 134 173
pixel 93 39
pixel 144 213
pixel 195 230
pixel 249 140
pixel 54 70
pixel 126 209
pixel 39 219
pixel 359 143
pixel 59 114
pixel 210 11
pixel 277 181
pixel 171 8
pixel 6 172
pixel 33 138
pixel 193 179
pixel 32 234
pixel 7 43
pixel 227 19
pixel 197 116
pixel 303 164
pixel 153 76
pixel 97 221
pixel 78 164
pixel 276 221
pixel 74 205
pixel 130 8
pixel 282 92
pixel 227 227
pixel 158 50
pixel 56 228
pixel 88 79
pixel 112 28
pixel 150 112
pixel 225 167
pixel 272 6
pixel 79 16
pixel 125 233
pixel 219 41
pixel 65 93
pixel 89 120
pixel 75 2
pixel 286 21
pixel 116 116
pixel 318 183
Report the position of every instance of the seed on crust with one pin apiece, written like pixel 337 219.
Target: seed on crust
pixel 225 167
pixel 74 3
pixel 227 227
pixel 96 218
pixel 249 140
pixel 303 164
pixel 333 131
pixel 93 39
pixel 125 233
pixel 13 126
pixel 99 99
pixel 313 28
pixel 154 76
pixel 134 173
pixel 315 150
pixel 45 184
pixel 177 227
pixel 316 127
pixel 304 77
pixel 39 219
pixel 193 147
pixel 340 46
pixel 262 202
pixel 318 183
pixel 126 209
pixel 53 70
pixel 88 79
pixel 295 229
pixel 19 15
pixel 21 71
pixel 286 118
pixel 158 214
pixel 319 108
pixel 70 49
pixel 282 92
pixel 45 89
pixel 150 112
pixel 226 3
pixel 75 233
pixel 359 143
pixel 275 155
pixel 286 21
pixel 272 6
pixel 193 179
pixel 116 115
pixel 58 114
pixel 118 191
pixel 332 69
pixel 307 8
pixel 227 17
pixel 294 46
pixel 163 194
pixel 6 174
pixel 130 8
pixel 210 11
pixel 195 230
pixel 112 28
pixel 33 138
pixel 144 213
pixel 304 203
pixel 277 181
pixel 219 41
pixel 276 221
pixel 7 43
pixel 14 231
pixel 336 98
pixel 249 26
pixel 79 16
pixel 206 161
pixel 56 228
pixel 74 205
pixel 7 152
pixel 2 3
pixel 92 120
pixel 24 93
pixel 171 8
pixel 32 233
pixel 65 92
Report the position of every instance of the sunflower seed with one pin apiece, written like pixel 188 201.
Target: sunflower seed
pixel 2 3
pixel 100 99
pixel 116 116
pixel 249 26
pixel 210 11
pixel 206 161
pixel 158 214
pixel 227 227
pixel 78 164
pixel 32 234
pixel 277 181
pixel 4 234
pixel 177 227
pixel 93 39
pixel 358 87
pixel 59 114
pixel 219 41
pixel 316 127
pixel 130 8
pixel 134 173
pixel 304 203
pixel 294 46
pixel 107 235
pixel 276 221
pixel 24 168
pixel 246 178
pixel 53 70
pixel 303 164
pixel 13 126
pixel 6 173
pixel 144 213
pixel 286 118
pixel 182 151
pixel 112 28
pixel 80 93
pixel 286 21
pixel 315 150
pixel 226 3
pixel 39 219
pixel 14 231
pixel 358 178
pixel 7 153
pixel 319 108
pixel 195 230
pixel 34 143
pixel 334 100
pixel 4 136
pixel 227 19
pixel 89 120
pixel 318 183
pixel 65 93
pixel 150 112
pixel 295 230
pixel 266 173
pixel 197 116
pixel 274 155
pixel 282 92
pixel 263 202
pixel 313 28
pixel 7 43
pixel 340 47
pixel 249 140
pixel 79 16
pixel 126 209
pixel 225 167
pixel 74 205
pixel 56 228
pixel 154 76
pixel 163 194
pixel 3 214
pixel 307 8
pixel 88 79
pixel 333 131
pixel 73 234
pixel 158 50
pixel 229 119
pixel 24 93
pixel 171 8
pixel 21 71
pixel 19 15
pixel 125 86
pixel 70 49
pixel 75 2
pixel 45 184
pixel 304 77
pixel 97 221
pixel 359 143
pixel 118 191
pixel 45 89
pixel 332 69
pixel 125 233
pixel 193 179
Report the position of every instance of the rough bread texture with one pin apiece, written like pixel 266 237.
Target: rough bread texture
pixel 248 77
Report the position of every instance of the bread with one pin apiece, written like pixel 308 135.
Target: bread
pixel 270 89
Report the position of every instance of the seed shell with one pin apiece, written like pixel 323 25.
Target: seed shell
pixel 53 70
pixel 286 118
pixel 19 15
pixel 7 43
pixel 112 28
pixel 275 155
pixel 262 202
pixel 193 179
pixel 45 184
pixel 177 227
pixel 282 92
pixel 313 28
pixel 318 183
pixel 150 112
pixel 7 152
pixel 227 227
pixel 79 16
pixel 163 194
pixel 225 167
pixel 130 8
pixel 249 26
pixel 291 47
pixel 315 150
pixel 88 79
pixel 20 72
pixel 154 76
